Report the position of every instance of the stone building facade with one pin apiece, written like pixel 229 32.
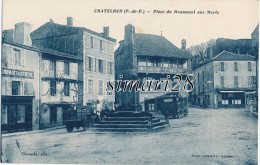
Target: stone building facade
pixel 94 53
pixel 227 80
pixel 20 80
pixel 142 57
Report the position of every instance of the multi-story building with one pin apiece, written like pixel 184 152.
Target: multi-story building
pixel 227 80
pixel 94 52
pixel 20 80
pixel 59 86
pixel 150 57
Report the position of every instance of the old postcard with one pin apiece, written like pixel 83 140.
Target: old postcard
pixel 129 82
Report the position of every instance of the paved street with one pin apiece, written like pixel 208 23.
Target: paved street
pixel 224 136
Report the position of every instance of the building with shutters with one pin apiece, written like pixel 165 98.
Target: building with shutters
pixel 59 86
pixel 142 57
pixel 20 80
pixel 93 51
pixel 227 80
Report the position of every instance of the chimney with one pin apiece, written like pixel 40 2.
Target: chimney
pixel 183 44
pixel 8 35
pixel 69 21
pixel 211 52
pixel 106 31
pixel 129 53
pixel 22 33
pixel 129 38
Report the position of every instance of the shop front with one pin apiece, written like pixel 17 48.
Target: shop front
pixel 16 113
pixel 231 99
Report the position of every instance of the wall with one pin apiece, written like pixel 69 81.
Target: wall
pixel 31 63
pixel 229 73
pixel 95 75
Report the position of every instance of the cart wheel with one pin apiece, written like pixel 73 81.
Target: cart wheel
pixel 69 129
pixel 95 120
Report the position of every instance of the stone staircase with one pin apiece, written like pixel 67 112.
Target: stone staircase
pixel 127 121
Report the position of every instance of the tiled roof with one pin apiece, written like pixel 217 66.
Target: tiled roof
pixel 75 28
pixel 228 56
pixel 256 29
pixel 44 50
pixel 32 48
pixel 154 45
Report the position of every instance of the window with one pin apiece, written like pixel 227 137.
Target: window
pixel 52 68
pixel 53 114
pixel 235 66
pixel 4 114
pixel 100 45
pixel 224 102
pixel 222 81
pixel 25 88
pixel 249 65
pixel 20 113
pixel 100 87
pixel 236 101
pixel 53 87
pixel 222 66
pixel 16 87
pixel 17 57
pixel 11 114
pixel 66 88
pixel 141 62
pixel 66 68
pixel 109 67
pixel 251 81
pixel 90 86
pixel 165 63
pixel 90 63
pixel 151 107
pixel 235 81
pixel 100 66
pixel 91 42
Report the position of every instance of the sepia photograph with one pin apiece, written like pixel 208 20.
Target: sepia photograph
pixel 129 82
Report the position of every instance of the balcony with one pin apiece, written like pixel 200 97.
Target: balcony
pixel 242 86
pixel 164 70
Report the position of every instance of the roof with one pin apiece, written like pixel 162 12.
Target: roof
pixel 44 50
pixel 32 48
pixel 75 28
pixel 228 56
pixel 59 53
pixel 256 30
pixel 155 45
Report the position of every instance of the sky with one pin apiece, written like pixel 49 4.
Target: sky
pixel 236 19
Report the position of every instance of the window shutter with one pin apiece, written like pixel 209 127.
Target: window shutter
pixel 3 87
pixel 87 63
pixel 104 66
pixel 9 88
pixel 60 69
pixel 21 88
pixel 23 58
pixel 92 63
pixel 248 81
pixel 95 65
pixel 10 55
pixel 112 68
pixel 253 66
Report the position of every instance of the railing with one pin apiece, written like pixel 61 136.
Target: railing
pixel 242 85
pixel 152 69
